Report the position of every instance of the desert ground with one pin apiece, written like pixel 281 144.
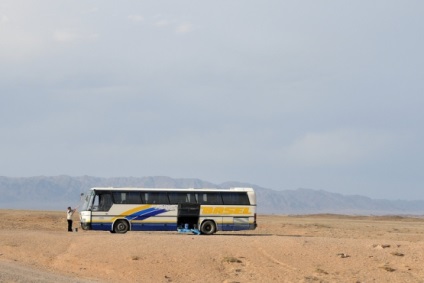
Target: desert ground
pixel 36 247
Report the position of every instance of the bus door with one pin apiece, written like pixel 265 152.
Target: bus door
pixel 188 215
pixel 99 213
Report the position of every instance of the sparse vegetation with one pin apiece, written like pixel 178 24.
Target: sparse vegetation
pixel 321 271
pixel 230 259
pixel 388 268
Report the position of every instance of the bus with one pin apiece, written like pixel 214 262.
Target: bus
pixel 119 210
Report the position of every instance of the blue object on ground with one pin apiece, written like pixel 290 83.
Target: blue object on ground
pixel 187 231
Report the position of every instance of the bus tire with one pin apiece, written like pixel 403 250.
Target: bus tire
pixel 85 226
pixel 208 227
pixel 121 226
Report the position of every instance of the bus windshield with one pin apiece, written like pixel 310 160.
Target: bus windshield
pixel 87 201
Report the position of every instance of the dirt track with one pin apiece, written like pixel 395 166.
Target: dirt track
pixel 324 248
pixel 14 272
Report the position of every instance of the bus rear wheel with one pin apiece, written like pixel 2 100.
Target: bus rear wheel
pixel 208 227
pixel 121 227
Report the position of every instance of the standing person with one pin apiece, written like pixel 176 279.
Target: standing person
pixel 69 215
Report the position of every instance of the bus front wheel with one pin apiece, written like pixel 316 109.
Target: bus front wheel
pixel 208 227
pixel 121 226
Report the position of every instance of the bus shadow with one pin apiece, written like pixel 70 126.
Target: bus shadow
pixel 263 235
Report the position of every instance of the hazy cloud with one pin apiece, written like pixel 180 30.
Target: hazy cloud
pixel 184 28
pixel 161 23
pixel 4 19
pixel 65 36
pixel 136 18
pixel 340 147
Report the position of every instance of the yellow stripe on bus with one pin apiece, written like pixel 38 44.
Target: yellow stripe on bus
pixel 135 209
pixel 225 210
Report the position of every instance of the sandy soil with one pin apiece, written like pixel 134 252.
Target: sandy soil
pixel 35 247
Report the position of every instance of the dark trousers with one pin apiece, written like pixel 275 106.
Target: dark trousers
pixel 69 225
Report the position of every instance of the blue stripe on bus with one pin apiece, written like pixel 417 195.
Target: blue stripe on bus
pixel 232 227
pixel 144 214
pixel 166 226
pixel 154 227
pixel 106 226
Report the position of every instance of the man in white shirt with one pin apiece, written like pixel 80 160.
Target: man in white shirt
pixel 69 214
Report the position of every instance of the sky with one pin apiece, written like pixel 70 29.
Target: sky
pixel 324 95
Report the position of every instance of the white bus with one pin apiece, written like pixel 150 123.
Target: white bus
pixel 119 210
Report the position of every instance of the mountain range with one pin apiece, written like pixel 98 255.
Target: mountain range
pixel 59 192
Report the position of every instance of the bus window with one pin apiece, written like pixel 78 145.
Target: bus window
pixel 118 197
pixel 235 198
pixel 177 197
pixel 190 198
pixel 181 197
pixel 102 201
pixel 134 198
pixel 156 198
pixel 127 197
pixel 209 198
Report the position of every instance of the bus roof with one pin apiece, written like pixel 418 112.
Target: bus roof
pixel 171 189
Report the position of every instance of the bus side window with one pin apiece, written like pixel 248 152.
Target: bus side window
pixel 134 198
pixel 177 197
pixel 105 202
pixel 157 198
pixel 235 198
pixel 118 197
pixel 215 198
pixel 202 198
pixel 190 198
pixel 210 198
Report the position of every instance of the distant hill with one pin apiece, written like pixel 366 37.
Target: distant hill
pixel 58 192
